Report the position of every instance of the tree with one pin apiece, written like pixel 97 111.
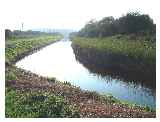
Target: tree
pixel 135 23
pixel 8 33
pixel 90 29
pixel 106 26
pixel 131 23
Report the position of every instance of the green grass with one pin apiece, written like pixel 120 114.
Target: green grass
pixel 16 47
pixel 36 104
pixel 137 49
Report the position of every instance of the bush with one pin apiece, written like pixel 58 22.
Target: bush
pixel 10 75
pixel 53 80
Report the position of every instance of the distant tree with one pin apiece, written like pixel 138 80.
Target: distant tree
pixel 90 29
pixel 17 32
pixel 8 33
pixel 106 27
pixel 134 23
pixel 73 34
pixel 131 23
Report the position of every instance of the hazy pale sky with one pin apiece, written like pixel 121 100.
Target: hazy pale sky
pixel 69 14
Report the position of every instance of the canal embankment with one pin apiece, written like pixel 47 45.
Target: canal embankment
pixel 129 59
pixel 25 86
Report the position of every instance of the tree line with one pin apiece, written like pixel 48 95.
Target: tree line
pixel 131 23
pixel 24 34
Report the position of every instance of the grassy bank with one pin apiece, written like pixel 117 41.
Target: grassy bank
pixel 138 49
pixel 28 93
pixel 16 47
pixel 119 55
pixel 31 95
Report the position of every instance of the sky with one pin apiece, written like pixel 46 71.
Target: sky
pixel 69 14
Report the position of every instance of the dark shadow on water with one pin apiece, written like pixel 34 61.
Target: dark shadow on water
pixel 104 71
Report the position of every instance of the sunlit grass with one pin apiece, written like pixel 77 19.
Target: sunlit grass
pixel 137 49
pixel 15 47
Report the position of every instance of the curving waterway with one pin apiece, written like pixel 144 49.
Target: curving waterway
pixel 58 60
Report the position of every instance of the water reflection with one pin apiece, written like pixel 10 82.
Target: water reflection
pixel 100 66
pixel 58 60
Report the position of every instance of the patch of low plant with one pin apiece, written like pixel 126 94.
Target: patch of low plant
pixel 37 104
pixel 147 108
pixel 67 83
pixel 10 75
pixel 53 80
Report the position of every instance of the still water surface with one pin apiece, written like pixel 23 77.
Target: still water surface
pixel 58 60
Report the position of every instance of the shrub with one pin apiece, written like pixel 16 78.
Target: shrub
pixel 10 75
pixel 51 80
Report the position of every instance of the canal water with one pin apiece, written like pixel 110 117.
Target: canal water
pixel 58 60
